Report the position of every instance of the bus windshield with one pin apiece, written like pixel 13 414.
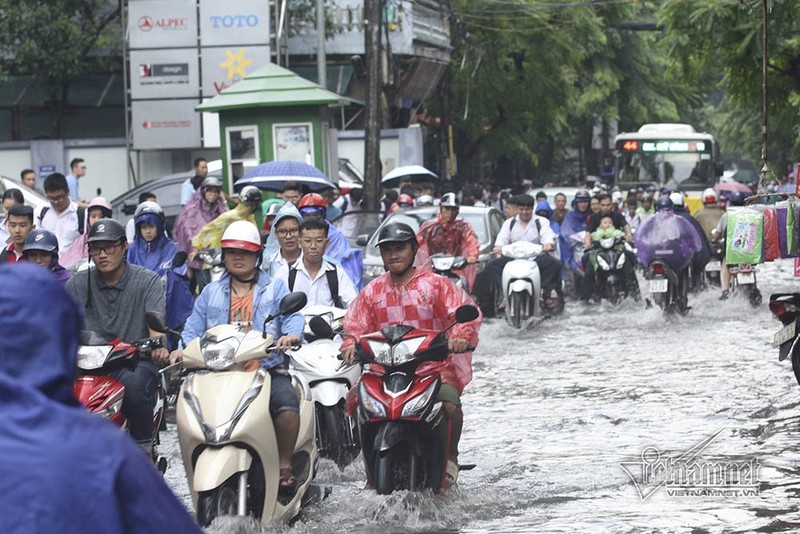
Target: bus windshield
pixel 673 170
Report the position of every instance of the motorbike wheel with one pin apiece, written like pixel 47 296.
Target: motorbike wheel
pixel 517 305
pixel 397 468
pixel 755 297
pixel 796 363
pixel 220 501
pixel 612 293
pixel 334 434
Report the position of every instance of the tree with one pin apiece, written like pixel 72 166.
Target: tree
pixel 58 42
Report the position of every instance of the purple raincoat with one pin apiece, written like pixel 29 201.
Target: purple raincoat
pixel 192 218
pixel 668 237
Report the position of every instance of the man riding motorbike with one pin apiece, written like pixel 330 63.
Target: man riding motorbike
pixel 735 198
pixel 419 298
pixel 450 235
pixel 247 296
pixel 701 257
pixel 115 296
pixel 592 224
pixel 709 215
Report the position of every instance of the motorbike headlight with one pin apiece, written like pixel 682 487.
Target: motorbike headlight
pixel 372 406
pixel 381 351
pixel 603 263
pixel 404 351
pixel 417 405
pixel 442 263
pixel 92 357
pixel 621 261
pixel 218 353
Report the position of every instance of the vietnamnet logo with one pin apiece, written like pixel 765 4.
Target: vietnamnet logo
pixel 234 21
pixel 147 23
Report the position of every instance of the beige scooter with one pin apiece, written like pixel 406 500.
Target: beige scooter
pixel 226 433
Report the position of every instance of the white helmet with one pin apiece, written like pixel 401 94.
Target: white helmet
pixel 424 200
pixel 676 198
pixel 709 196
pixel 449 200
pixel 242 235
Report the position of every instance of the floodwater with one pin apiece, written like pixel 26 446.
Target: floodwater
pixel 555 413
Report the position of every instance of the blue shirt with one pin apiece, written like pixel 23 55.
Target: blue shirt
pixel 72 183
pixel 213 307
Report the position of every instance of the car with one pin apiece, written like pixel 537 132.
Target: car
pixel 167 190
pixel 551 193
pixel 32 198
pixel 485 221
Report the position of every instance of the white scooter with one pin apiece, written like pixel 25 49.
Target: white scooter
pixel 522 284
pixel 226 433
pixel 330 379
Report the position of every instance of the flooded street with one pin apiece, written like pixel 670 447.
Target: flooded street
pixel 554 413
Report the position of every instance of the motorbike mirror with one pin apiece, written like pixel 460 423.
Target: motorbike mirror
pixel 466 313
pixel 362 240
pixel 291 303
pixel 156 321
pixel 180 259
pixel 320 327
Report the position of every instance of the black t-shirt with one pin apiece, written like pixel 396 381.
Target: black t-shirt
pixel 594 221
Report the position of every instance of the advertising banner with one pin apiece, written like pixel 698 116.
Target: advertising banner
pixel 162 23
pixel 158 124
pixel 243 22
pixel 224 66
pixel 160 73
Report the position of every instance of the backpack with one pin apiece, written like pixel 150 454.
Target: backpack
pixel 81 218
pixel 333 284
pixel 535 219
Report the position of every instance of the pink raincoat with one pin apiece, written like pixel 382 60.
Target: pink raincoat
pixel 192 218
pixel 457 238
pixel 426 301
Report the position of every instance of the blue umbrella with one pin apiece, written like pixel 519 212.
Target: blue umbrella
pixel 271 176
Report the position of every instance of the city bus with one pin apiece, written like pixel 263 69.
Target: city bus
pixel 672 156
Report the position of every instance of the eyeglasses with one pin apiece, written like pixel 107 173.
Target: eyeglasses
pixel 57 200
pixel 94 250
pixel 288 233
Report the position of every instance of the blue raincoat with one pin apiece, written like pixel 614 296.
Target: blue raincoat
pixel 64 469
pixel 668 237
pixel 156 255
pixel 574 222
pixel 543 208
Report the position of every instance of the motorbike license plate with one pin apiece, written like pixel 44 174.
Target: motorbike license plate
pixel 746 278
pixel 784 334
pixel 658 286
pixel 713 266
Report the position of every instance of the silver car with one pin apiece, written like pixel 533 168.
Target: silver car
pixel 485 221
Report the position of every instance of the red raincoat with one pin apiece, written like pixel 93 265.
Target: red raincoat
pixel 426 301
pixel 457 238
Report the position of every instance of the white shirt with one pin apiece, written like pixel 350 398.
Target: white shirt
pixel 64 226
pixel 276 262
pixel 317 290
pixel 521 232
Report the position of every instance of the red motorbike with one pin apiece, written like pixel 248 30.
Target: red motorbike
pixel 97 357
pixel 404 433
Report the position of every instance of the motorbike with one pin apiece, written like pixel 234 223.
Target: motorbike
pixel 103 395
pixel 714 265
pixel 213 268
pixel 403 430
pixel 574 263
pixel 743 280
pixel 444 264
pixel 226 434
pixel 330 380
pixel 786 308
pixel 668 287
pixel 611 280
pixel 521 283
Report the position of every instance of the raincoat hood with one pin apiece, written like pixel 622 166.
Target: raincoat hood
pixel 544 206
pixel 272 246
pixel 38 314
pixel 668 237
pixel 194 216
pixel 156 255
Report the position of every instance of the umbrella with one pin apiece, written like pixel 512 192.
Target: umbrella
pixel 415 172
pixel 271 176
pixel 732 186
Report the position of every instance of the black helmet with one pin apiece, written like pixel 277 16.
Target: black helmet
pixel 250 195
pixel 736 198
pixel 449 200
pixel 664 203
pixel 106 230
pixel 396 232
pixel 40 239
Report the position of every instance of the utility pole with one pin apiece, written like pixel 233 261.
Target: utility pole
pixel 321 58
pixel 372 142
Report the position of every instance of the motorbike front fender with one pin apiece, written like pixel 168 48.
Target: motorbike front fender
pixel 520 286
pixel 390 434
pixel 216 465
pixel 329 392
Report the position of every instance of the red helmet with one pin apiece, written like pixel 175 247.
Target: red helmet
pixel 313 203
pixel 405 201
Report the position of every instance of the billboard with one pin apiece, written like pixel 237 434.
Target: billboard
pixel 225 23
pixel 162 23
pixel 158 124
pixel 160 73
pixel 224 66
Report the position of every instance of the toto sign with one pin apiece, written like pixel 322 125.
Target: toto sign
pixel 234 21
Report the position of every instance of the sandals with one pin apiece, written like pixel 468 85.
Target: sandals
pixel 288 484
pixel 451 473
